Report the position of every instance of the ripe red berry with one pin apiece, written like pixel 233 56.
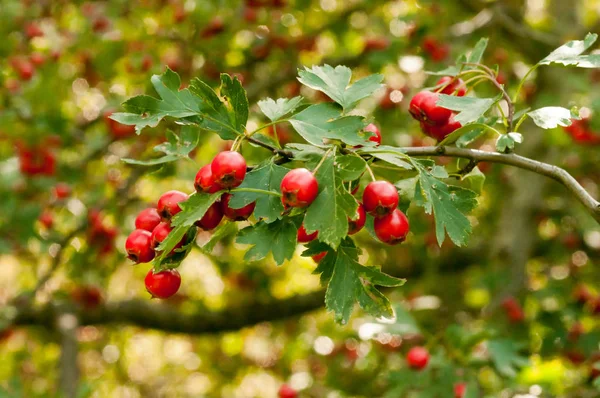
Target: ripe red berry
pixel 204 181
pixel 380 198
pixel 236 214
pixel 318 257
pixel 211 218
pixel 424 108
pixel 286 391
pixel 459 390
pixel 417 358
pixel 33 30
pixel 513 310
pixel 453 86
pixel 299 188
pixel 118 130
pixel 160 233
pixel 228 169
pixel 168 203
pixel 439 132
pixel 162 284
pixel 304 237
pixel 87 296
pixel 148 219
pixel 393 228
pixel 37 59
pixel 356 224
pixel 62 190
pixel 46 219
pixel 373 129
pixel 139 246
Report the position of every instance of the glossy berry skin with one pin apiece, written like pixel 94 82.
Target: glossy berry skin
pixel 393 228
pixel 439 132
pixel 417 358
pixel 148 219
pixel 286 391
pixel 304 237
pixel 228 169
pixel 204 181
pixel 139 246
pixel 211 218
pixel 318 257
pixel 163 284
pixel 359 221
pixel 453 86
pixel 459 390
pixel 380 198
pixel 236 214
pixel 160 233
pixel 374 138
pixel 299 188
pixel 424 108
pixel 168 203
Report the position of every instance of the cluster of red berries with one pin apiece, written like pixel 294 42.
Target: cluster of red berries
pixel 437 122
pixel 101 235
pixel 437 51
pixel 60 192
pixel 36 160
pixel 581 132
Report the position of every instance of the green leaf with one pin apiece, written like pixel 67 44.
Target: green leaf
pixel 507 141
pixel 351 282
pixel 477 52
pixel 350 167
pixel 505 356
pixel 235 95
pixel 223 231
pixel 177 147
pixel 321 121
pixel 552 116
pixel 335 82
pixel 275 110
pixel 388 154
pixel 144 110
pixel 278 237
pixel 329 213
pixel 266 176
pixel 404 323
pixel 470 108
pixel 473 130
pixel 406 192
pixel 569 54
pixel 476 179
pixel 449 204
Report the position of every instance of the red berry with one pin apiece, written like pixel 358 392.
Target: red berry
pixel 304 237
pixel 62 190
pixel 236 214
pixel 424 108
pixel 168 203
pixel 160 233
pixel 439 132
pixel 211 218
pixel 162 284
pixel 393 228
pixel 88 296
pixel 299 188
pixel 204 181
pixel 582 294
pixel 453 86
pixel 148 219
pixel 373 129
pixel 459 390
pixel 139 246
pixel 25 69
pixel 33 30
pixel 118 130
pixel 46 219
pixel 286 391
pixel 37 59
pixel 417 358
pixel 356 224
pixel 228 169
pixel 318 257
pixel 380 198
pixel 513 310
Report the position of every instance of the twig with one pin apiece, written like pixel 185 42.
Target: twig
pixel 280 152
pixel 66 325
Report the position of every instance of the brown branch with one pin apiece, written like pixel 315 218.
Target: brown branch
pixel 66 325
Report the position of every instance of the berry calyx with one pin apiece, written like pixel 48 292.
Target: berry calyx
pixel 168 203
pixel 356 224
pixel 211 218
pixel 236 214
pixel 423 107
pixel 160 233
pixel 286 391
pixel 417 358
pixel 139 246
pixel 393 228
pixel 163 284
pixel 148 219
pixel 204 181
pixel 305 237
pixel 452 86
pixel 380 198
pixel 299 188
pixel 374 138
pixel 228 169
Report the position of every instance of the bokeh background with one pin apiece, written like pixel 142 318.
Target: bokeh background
pixel 239 329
